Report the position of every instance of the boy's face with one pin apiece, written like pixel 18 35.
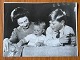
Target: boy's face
pixel 55 25
pixel 38 30
pixel 23 21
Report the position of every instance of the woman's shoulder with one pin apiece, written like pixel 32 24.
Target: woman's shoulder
pixel 17 29
pixel 31 24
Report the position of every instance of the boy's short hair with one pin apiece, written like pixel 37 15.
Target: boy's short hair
pixel 40 23
pixel 59 15
pixel 62 18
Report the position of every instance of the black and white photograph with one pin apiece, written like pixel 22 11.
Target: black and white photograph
pixel 40 29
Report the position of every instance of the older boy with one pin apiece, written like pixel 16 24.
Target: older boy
pixel 57 33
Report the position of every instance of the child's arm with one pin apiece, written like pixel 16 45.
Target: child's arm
pixel 56 41
pixel 64 39
pixel 22 41
pixel 70 35
pixel 69 39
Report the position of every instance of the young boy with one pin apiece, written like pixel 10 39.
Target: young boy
pixel 37 38
pixel 57 33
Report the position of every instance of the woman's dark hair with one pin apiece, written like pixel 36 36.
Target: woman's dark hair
pixel 18 13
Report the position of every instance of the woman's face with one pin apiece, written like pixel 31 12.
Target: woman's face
pixel 23 21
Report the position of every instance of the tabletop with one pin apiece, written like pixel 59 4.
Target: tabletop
pixel 49 51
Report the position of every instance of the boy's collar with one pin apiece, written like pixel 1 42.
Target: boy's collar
pixel 62 28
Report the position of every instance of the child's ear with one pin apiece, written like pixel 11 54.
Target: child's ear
pixel 62 22
pixel 43 31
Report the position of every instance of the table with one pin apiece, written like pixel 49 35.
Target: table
pixel 47 51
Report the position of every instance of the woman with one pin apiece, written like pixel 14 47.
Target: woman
pixel 25 27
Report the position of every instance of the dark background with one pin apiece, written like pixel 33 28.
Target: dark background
pixel 37 11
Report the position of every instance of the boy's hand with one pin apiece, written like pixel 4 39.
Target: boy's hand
pixel 64 39
pixel 73 40
pixel 38 44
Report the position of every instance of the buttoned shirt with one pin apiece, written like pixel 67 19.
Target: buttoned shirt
pixel 51 35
